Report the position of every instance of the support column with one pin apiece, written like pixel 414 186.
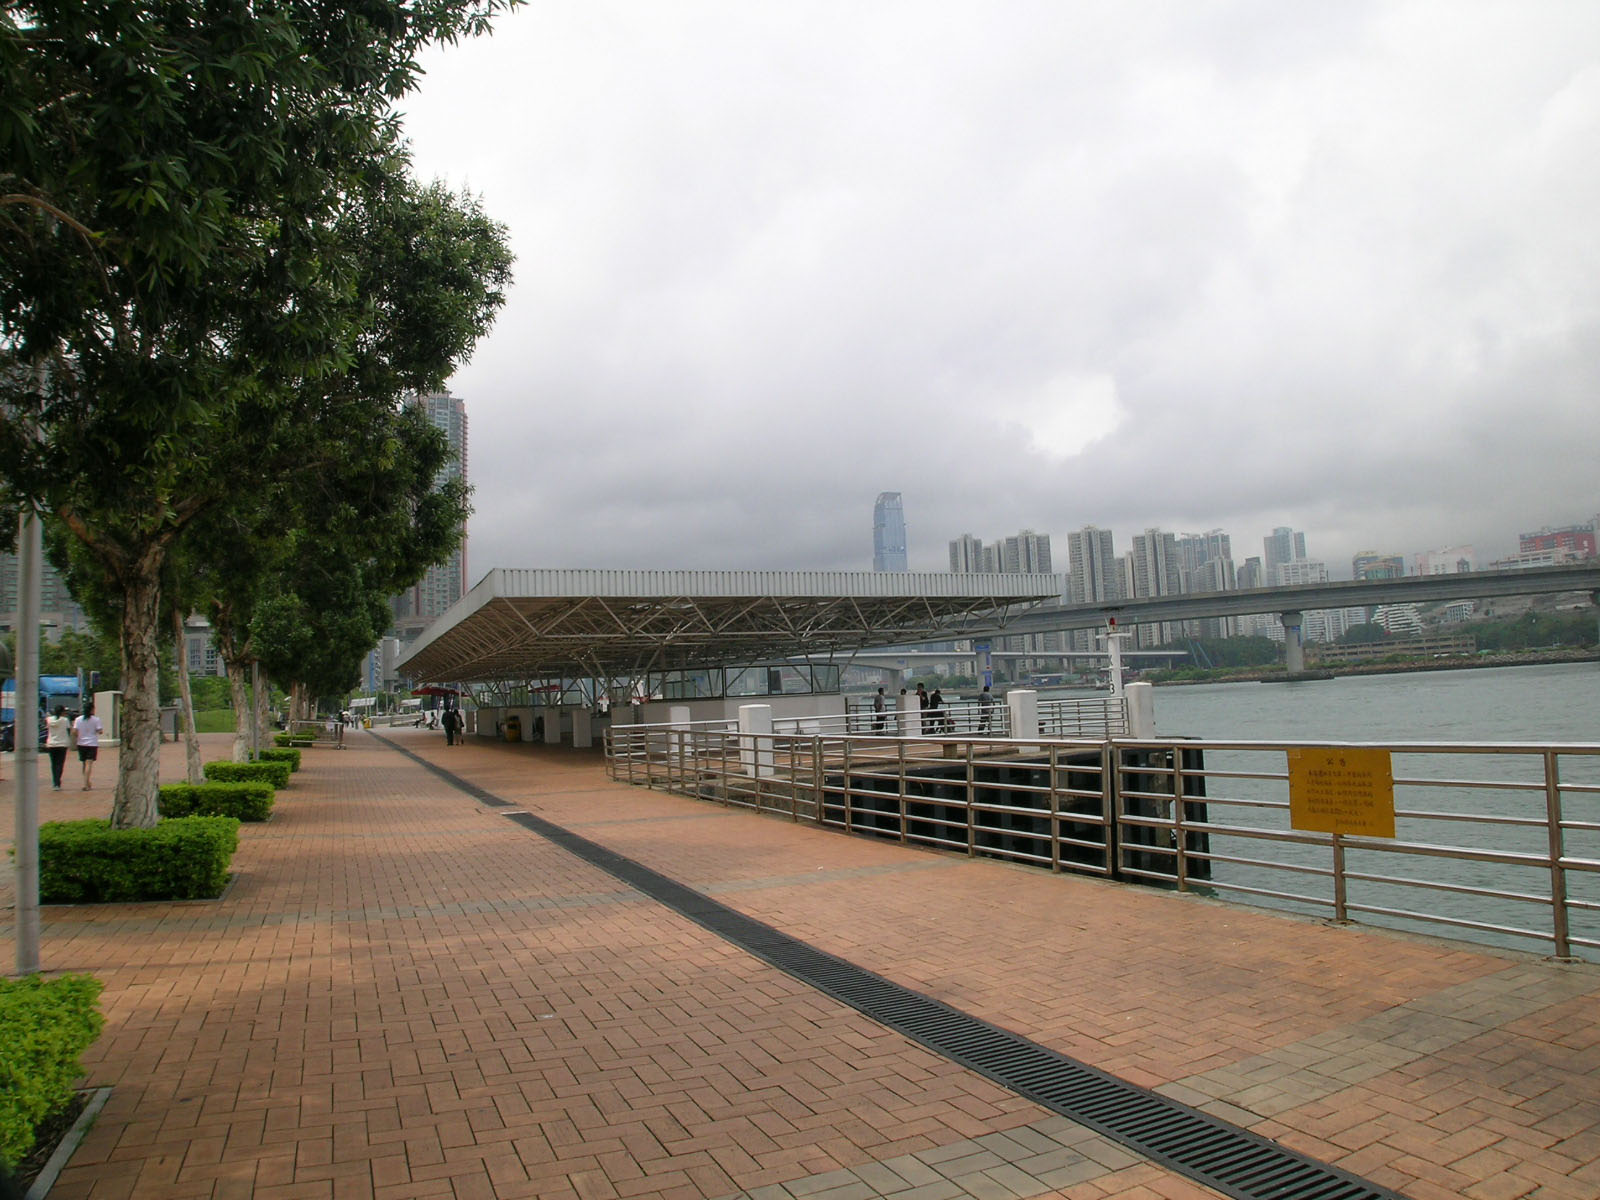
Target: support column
pixel 1294 651
pixel 582 730
pixel 552 725
pixel 755 739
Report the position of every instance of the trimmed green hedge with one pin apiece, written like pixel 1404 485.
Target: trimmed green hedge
pixel 293 739
pixel 222 771
pixel 247 801
pixel 45 1026
pixel 184 858
pixel 288 754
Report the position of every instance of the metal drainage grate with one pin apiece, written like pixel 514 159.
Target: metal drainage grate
pixel 1222 1156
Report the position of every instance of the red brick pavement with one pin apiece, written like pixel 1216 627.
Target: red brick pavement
pixel 403 994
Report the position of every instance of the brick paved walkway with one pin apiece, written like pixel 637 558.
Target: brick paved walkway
pixel 404 994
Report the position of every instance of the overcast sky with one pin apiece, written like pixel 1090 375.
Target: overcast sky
pixel 1031 264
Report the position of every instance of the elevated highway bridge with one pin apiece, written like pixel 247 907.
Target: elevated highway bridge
pixel 1289 603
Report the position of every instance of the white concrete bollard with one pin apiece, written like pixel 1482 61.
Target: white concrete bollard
pixel 1141 711
pixel 1023 706
pixel 910 716
pixel 755 750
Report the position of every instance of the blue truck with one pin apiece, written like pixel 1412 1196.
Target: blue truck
pixel 53 690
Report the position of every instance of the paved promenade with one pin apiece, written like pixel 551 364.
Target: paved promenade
pixel 406 994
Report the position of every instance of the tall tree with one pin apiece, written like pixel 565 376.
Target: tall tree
pixel 176 264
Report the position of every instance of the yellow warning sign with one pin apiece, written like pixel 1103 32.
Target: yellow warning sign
pixel 1335 789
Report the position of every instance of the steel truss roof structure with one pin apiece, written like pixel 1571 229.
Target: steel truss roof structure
pixel 549 624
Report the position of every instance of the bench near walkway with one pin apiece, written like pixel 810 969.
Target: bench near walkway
pixel 407 994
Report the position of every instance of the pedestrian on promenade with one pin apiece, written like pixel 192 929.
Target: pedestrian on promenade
pixel 878 705
pixel 57 741
pixel 452 722
pixel 86 731
pixel 936 711
pixel 985 709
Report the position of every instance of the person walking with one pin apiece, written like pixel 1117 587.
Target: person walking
pixel 87 730
pixel 879 703
pixel 985 709
pixel 452 721
pixel 57 741
pixel 936 711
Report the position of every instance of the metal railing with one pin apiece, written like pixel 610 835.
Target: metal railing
pixel 1497 843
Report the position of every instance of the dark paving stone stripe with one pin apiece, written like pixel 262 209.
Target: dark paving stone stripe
pixel 1220 1155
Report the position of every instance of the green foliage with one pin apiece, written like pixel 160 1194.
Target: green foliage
pixel 210 266
pixel 45 1026
pixel 275 773
pixel 1533 630
pixel 248 801
pixel 293 739
pixel 288 754
pixel 210 692
pixel 91 651
pixel 89 862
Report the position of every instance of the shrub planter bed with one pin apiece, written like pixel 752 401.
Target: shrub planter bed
pixel 246 801
pixel 45 1026
pixel 288 754
pixel 88 862
pixel 222 771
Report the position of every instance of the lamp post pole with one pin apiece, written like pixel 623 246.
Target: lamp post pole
pixel 25 728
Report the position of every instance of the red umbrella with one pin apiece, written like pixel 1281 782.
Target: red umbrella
pixel 434 689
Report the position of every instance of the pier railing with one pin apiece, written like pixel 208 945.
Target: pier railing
pixel 1496 843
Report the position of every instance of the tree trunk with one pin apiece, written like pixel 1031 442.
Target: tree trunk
pixel 135 805
pixel 191 745
pixel 239 690
pixel 259 709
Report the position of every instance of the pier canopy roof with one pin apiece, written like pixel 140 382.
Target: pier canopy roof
pixel 546 624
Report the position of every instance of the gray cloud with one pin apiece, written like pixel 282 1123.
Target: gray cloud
pixel 1033 265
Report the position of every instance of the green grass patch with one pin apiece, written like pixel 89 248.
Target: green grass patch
pixel 213 720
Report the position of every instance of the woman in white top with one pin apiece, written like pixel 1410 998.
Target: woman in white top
pixel 88 729
pixel 57 739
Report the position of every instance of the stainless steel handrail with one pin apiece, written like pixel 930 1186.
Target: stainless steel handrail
pixel 1496 839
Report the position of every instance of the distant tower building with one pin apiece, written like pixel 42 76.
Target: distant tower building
pixel 445 582
pixel 888 533
pixel 1027 553
pixel 1576 540
pixel 1281 546
pixel 1094 575
pixel 1155 573
pixel 57 609
pixel 966 555
pixel 1369 564
pixel 1455 560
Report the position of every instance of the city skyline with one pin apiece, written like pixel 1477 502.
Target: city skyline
pixel 1031 265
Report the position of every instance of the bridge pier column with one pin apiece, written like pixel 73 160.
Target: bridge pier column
pixel 1294 650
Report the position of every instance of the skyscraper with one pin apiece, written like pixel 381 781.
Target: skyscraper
pixel 445 582
pixel 1094 574
pixel 1282 545
pixel 1156 573
pixel 967 555
pixel 888 533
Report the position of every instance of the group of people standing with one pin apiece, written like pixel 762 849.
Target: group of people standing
pixel 936 718
pixel 63 733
